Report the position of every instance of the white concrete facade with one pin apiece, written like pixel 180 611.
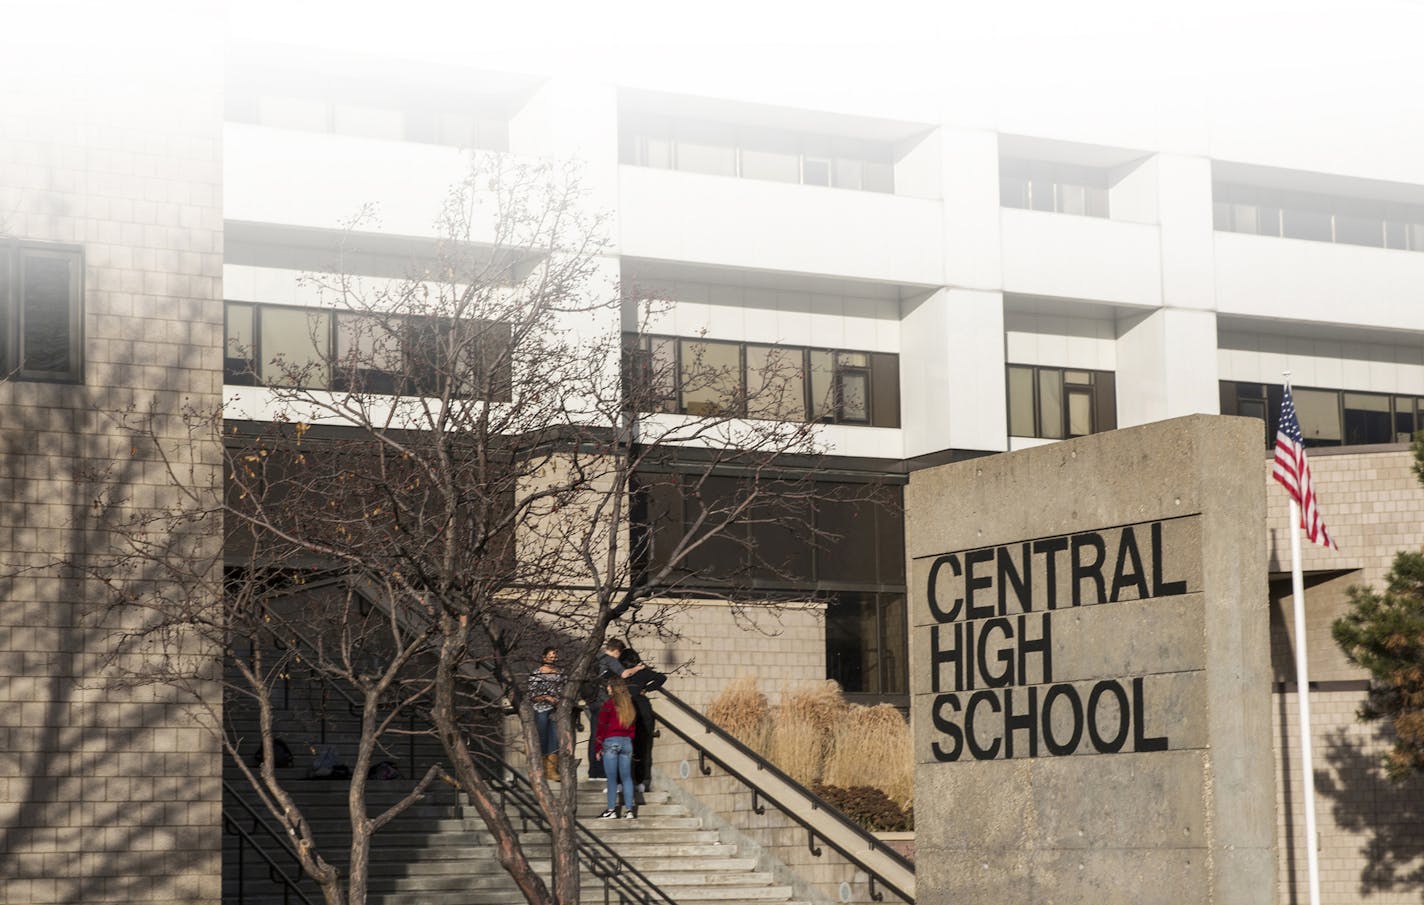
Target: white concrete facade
pixel 937 270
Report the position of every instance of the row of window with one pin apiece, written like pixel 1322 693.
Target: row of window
pixel 460 129
pixel 756 153
pixel 41 311
pixel 775 382
pixel 1328 417
pixel 276 345
pixel 1057 403
pixel 1320 218
pixel 1057 187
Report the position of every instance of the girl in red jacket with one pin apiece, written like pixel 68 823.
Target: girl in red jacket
pixel 613 744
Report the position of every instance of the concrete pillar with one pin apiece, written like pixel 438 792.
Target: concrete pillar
pixel 1166 366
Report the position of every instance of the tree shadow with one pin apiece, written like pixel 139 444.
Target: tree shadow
pixel 1384 814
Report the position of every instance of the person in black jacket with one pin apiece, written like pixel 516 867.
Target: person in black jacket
pixel 641 679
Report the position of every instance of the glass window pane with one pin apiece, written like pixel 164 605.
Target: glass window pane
pixel 815 171
pixel 822 389
pixel 853 359
pixel 877 177
pixel 1245 218
pixel 1013 191
pixel 1367 419
pixel 1359 230
pixel 723 554
pixel 1319 415
pixel 1306 224
pixel 368 356
pixel 1041 194
pixel 714 160
pixel 855 396
pixel 774 165
pixel 46 294
pixel 885 389
pixel 1104 401
pixel 894 640
pixel 1021 402
pixel 1268 221
pixel 294 345
pixel 710 377
pixel 1078 378
pixel 847 173
pixel 1072 199
pixel 1080 413
pixel 845 523
pixel 851 642
pixel 1050 404
pixel 890 534
pixel 776 383
pixel 238 353
pixel 1415 236
pixel 1404 423
pixel 778 530
pixel 1097 201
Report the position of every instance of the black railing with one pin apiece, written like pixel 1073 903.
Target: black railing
pixel 623 884
pixel 760 794
pixel 290 888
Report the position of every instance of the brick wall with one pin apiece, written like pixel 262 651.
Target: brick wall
pixel 111 142
pixel 1371 841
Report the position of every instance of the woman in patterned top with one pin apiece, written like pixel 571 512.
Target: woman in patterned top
pixel 546 683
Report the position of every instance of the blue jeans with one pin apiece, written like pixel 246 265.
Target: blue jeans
pixel 618 766
pixel 548 738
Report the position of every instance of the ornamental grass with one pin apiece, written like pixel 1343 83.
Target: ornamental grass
pixel 802 730
pixel 744 713
pixel 871 746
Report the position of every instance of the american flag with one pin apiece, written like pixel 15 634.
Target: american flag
pixel 1293 473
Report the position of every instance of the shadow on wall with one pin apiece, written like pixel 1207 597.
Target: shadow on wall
pixel 103 794
pixel 1384 815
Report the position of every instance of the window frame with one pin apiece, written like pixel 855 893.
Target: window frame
pixel 16 253
pixel 1100 390
pixel 1236 393
pixel 638 354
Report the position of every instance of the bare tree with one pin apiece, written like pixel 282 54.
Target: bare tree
pixel 468 463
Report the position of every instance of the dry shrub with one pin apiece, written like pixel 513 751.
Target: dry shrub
pixel 871 746
pixel 743 713
pixel 801 733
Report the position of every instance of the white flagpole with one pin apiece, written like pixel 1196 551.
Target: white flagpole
pixel 1302 697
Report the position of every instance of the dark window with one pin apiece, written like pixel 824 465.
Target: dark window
pixel 1327 417
pixel 1056 403
pixel 365 353
pixel 866 643
pixel 41 312
pixel 708 377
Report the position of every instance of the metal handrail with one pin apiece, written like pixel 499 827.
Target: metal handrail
pixel 274 870
pixel 815 802
pixel 618 875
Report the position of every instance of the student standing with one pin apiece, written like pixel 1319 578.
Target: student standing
pixel 617 725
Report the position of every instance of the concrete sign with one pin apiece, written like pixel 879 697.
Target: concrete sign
pixel 1091 674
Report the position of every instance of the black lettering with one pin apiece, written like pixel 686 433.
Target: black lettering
pixel 948 727
pixel 1095 698
pixel 1140 741
pixel 1093 570
pixel 975 700
pixel 941 655
pixel 1051 547
pixel 1055 747
pixel 969 667
pixel 1162 588
pixel 1004 656
pixel 1042 645
pixel 1020 578
pixel 1127 547
pixel 972 584
pixel 1027 720
pixel 939 614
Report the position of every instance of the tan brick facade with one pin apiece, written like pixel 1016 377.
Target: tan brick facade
pixel 1370 843
pixel 107 794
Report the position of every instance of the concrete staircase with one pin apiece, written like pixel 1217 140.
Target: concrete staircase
pixel 439 852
